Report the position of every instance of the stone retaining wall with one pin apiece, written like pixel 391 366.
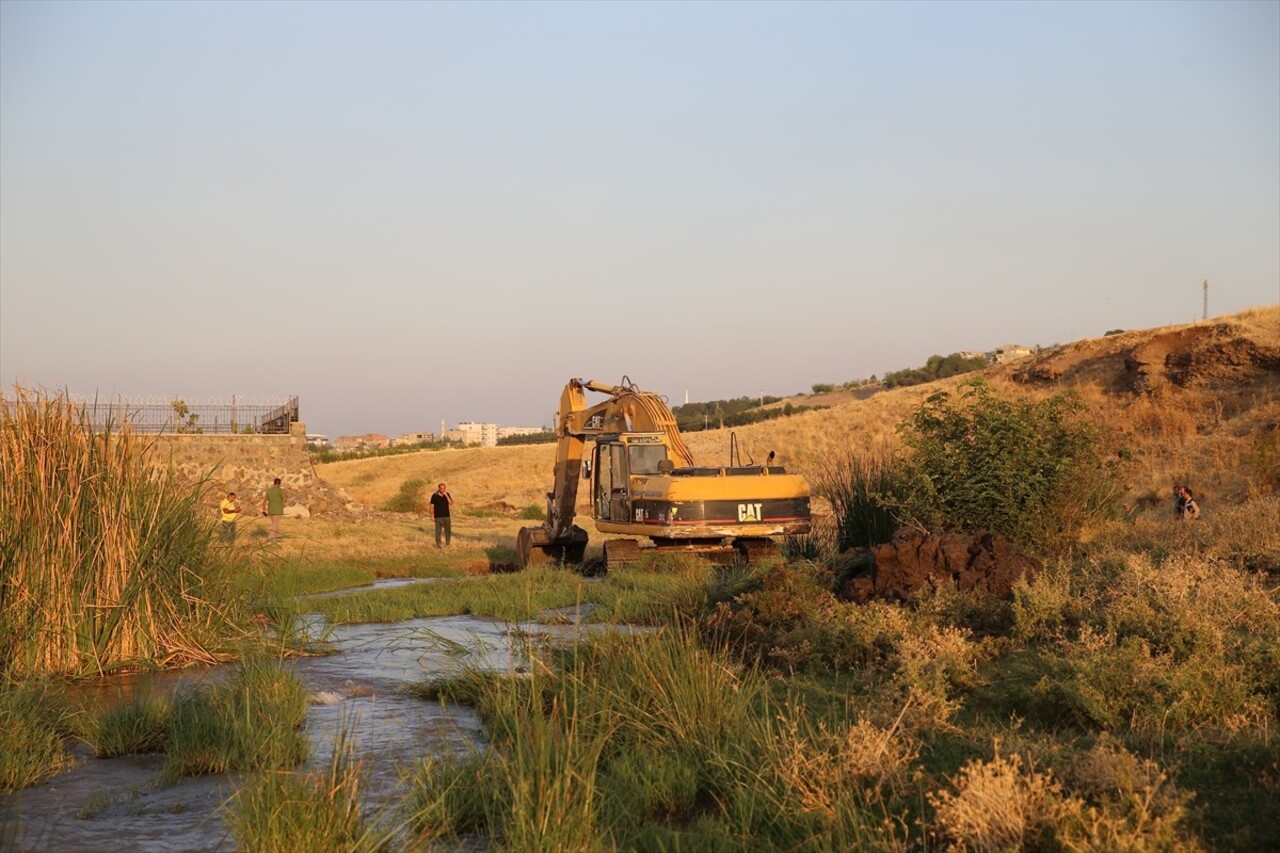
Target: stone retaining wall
pixel 247 464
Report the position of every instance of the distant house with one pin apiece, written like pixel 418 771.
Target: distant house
pixel 1008 353
pixel 361 442
pixel 414 438
pixel 317 439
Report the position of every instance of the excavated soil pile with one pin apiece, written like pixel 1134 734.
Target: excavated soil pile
pixel 916 561
pixel 1140 363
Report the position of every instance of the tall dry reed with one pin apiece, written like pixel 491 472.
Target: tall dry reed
pixel 106 562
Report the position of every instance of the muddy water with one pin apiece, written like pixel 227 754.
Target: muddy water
pixel 115 804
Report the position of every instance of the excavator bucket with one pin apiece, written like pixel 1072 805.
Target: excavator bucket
pixel 535 546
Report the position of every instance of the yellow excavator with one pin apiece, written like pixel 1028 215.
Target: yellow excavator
pixel 644 484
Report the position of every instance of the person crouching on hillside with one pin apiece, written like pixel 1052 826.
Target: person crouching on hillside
pixel 1190 509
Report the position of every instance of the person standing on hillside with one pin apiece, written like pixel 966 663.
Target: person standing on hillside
pixel 273 508
pixel 440 503
pixel 230 509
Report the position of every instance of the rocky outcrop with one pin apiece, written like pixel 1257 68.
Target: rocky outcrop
pixel 1201 355
pixel 916 561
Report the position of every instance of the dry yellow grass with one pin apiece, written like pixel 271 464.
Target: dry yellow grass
pixel 478 477
pixel 1211 434
pixel 397 538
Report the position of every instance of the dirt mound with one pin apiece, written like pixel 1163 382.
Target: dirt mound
pixel 915 561
pixel 1142 362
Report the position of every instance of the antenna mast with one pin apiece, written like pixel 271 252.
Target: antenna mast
pixel 1206 300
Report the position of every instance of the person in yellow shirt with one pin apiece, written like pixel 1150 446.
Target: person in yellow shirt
pixel 230 508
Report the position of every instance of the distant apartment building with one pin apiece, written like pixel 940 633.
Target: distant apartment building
pixel 414 438
pixel 361 442
pixel 317 439
pixel 508 432
pixel 1008 353
pixel 468 432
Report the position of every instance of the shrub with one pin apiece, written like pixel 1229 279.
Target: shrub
pixel 1182 647
pixel 408 499
pixel 997 805
pixel 1030 471
pixel 937 367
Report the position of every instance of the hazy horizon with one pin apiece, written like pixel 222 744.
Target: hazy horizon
pixel 408 212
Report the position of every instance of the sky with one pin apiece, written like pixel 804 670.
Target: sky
pixel 408 212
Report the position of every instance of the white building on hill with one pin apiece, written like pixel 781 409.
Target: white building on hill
pixel 468 432
pixel 508 432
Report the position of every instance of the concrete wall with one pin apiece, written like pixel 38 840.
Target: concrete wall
pixel 247 464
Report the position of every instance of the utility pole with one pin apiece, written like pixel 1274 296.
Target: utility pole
pixel 1206 300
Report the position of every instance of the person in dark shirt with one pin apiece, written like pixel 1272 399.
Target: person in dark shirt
pixel 440 503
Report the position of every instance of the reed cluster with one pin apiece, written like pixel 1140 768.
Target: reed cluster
pixel 865 492
pixel 106 561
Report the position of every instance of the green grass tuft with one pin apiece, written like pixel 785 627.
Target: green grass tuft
pixel 250 721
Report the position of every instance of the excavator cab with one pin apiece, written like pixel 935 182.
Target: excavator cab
pixel 615 461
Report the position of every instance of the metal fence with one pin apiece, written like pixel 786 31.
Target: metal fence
pixel 220 416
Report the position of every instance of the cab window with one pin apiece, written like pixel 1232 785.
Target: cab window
pixel 644 458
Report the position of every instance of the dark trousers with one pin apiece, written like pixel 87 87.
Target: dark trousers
pixel 443 525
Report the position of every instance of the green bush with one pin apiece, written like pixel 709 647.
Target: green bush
pixel 409 498
pixel 1033 472
pixel 937 367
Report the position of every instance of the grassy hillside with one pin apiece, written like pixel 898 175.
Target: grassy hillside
pixel 1197 403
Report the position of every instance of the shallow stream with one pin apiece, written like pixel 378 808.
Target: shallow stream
pixel 115 804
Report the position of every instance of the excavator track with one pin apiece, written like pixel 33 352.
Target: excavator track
pixel 755 550
pixel 619 553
